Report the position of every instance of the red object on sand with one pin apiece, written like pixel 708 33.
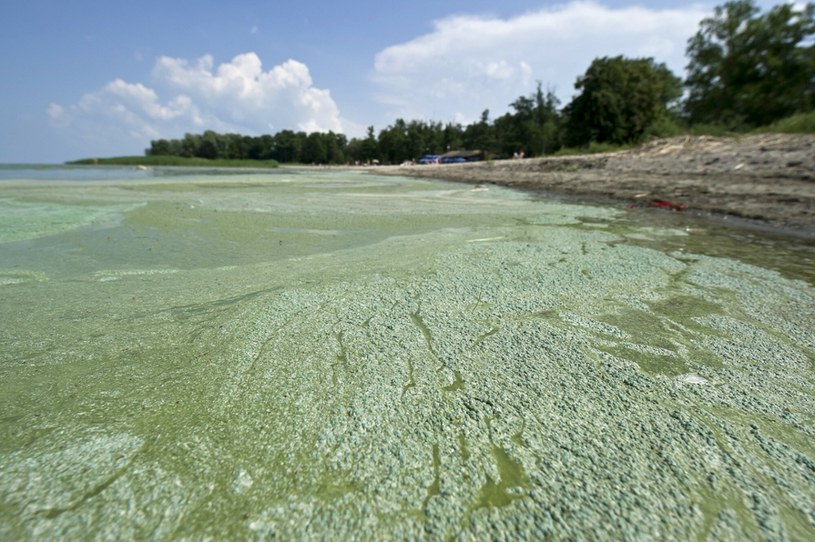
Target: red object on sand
pixel 667 204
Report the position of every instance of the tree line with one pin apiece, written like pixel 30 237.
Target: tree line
pixel 745 69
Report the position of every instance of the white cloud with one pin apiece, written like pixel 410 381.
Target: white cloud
pixel 242 93
pixel 55 111
pixel 194 96
pixel 469 63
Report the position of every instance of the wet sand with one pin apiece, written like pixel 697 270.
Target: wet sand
pixel 767 179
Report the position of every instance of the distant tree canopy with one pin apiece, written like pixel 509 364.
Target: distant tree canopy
pixel 750 69
pixel 745 70
pixel 534 127
pixel 285 146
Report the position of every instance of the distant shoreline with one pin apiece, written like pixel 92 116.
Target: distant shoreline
pixel 173 161
pixel 769 179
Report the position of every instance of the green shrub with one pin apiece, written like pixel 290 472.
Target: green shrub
pixel 663 127
pixel 596 148
pixel 802 123
pixel 710 129
pixel 592 148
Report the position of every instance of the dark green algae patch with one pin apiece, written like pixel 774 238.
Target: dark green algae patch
pixel 322 355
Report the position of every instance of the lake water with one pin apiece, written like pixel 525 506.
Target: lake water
pixel 333 354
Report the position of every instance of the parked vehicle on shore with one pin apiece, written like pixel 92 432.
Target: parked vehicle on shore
pixel 457 157
pixel 452 159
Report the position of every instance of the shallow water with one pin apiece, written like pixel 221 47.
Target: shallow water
pixel 320 354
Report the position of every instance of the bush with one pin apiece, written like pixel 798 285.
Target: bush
pixel 802 123
pixel 663 127
pixel 592 148
pixel 597 148
pixel 710 129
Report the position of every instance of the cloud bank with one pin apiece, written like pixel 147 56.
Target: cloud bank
pixel 236 96
pixel 469 63
pixel 464 65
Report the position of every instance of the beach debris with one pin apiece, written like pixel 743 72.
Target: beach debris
pixel 693 378
pixel 660 203
pixel 665 204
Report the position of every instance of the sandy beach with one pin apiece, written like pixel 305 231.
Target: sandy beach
pixel 768 179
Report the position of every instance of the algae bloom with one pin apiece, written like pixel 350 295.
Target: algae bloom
pixel 324 355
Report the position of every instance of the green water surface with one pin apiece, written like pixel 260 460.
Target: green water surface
pixel 333 355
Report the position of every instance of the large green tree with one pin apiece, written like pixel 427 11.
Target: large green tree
pixel 747 69
pixel 335 146
pixel 287 146
pixel 479 135
pixel 533 127
pixel 619 99
pixel 393 143
pixel 314 149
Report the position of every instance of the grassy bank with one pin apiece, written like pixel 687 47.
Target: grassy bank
pixel 801 123
pixel 173 161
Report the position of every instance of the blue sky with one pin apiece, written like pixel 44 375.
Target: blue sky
pixel 103 78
